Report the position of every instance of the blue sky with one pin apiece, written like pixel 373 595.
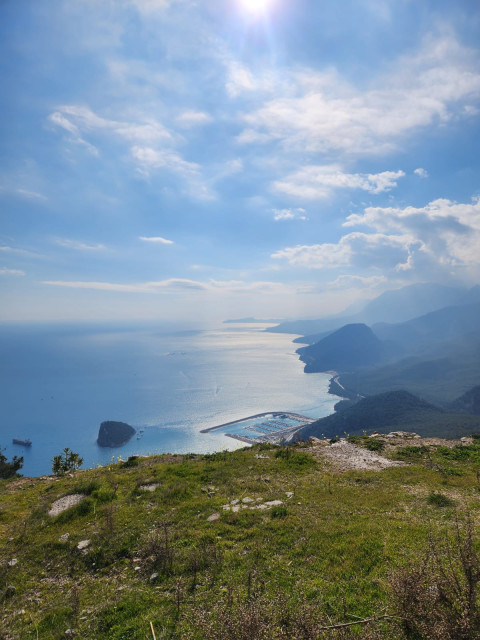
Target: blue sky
pixel 172 159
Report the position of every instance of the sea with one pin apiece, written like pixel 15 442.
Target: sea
pixel 58 383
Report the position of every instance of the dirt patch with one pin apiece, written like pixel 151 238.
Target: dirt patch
pixel 346 456
pixel 62 504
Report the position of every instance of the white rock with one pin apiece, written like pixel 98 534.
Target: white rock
pixel 12 562
pixel 247 500
pixel 213 517
pixel 64 538
pixel 274 503
pixel 83 544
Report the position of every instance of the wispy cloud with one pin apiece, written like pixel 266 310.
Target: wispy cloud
pixel 77 245
pixel 21 252
pixel 5 271
pixel 192 118
pixel 156 240
pixel 173 285
pixel 316 182
pixel 421 173
pixel 23 193
pixel 318 112
pixel 289 214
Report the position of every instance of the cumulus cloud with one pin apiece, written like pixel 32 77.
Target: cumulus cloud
pixel 324 114
pixel 289 214
pixel 4 271
pixel 356 249
pixel 315 182
pixel 156 240
pixel 440 238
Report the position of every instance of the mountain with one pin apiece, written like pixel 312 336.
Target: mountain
pixel 352 346
pixel 453 324
pixel 394 410
pixel 469 402
pixel 397 305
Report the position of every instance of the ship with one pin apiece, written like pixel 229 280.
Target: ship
pixel 25 443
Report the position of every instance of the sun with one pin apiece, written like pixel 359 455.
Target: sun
pixel 256 6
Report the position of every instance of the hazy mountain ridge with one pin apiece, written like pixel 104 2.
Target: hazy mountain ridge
pixel 398 305
pixel 436 356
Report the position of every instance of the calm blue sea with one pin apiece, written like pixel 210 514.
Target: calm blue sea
pixel 59 383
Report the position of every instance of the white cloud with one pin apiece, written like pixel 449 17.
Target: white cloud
pixel 149 159
pixel 440 239
pixel 156 239
pixel 23 193
pixel 78 246
pixel 357 282
pixel 20 252
pixel 315 182
pixel 174 285
pixel 327 115
pixel 421 173
pixel 289 214
pixel 191 118
pixel 4 271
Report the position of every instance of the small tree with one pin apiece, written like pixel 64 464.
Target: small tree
pixel 66 461
pixel 9 469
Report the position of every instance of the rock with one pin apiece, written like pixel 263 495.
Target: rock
pixel 247 500
pixel 62 504
pixel 150 487
pixel 213 517
pixel 83 544
pixel 12 562
pixel 289 494
pixel 69 632
pixel 153 577
pixel 114 434
pixel 274 503
pixel 64 538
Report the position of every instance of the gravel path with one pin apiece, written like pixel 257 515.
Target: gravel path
pixel 346 456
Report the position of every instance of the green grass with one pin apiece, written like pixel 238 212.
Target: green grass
pixel 328 550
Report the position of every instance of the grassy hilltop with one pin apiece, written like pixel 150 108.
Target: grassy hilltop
pixel 261 543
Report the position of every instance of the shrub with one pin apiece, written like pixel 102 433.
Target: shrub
pixel 293 457
pixel 438 597
pixel 440 500
pixel 278 512
pixel 9 469
pixel 66 461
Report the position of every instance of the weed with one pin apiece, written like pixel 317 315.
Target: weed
pixel 440 500
pixel 438 597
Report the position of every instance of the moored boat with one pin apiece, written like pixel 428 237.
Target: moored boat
pixel 26 443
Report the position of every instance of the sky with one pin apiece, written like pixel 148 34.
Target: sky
pixel 203 160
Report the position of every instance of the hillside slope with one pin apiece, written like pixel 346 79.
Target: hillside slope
pixel 259 543
pixel 391 411
pixel 351 347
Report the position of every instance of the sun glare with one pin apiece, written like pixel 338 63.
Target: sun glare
pixel 256 6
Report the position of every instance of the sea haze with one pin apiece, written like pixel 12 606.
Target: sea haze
pixel 59 384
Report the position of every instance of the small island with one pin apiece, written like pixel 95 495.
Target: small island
pixel 114 434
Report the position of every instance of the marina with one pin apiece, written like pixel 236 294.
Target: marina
pixel 272 426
